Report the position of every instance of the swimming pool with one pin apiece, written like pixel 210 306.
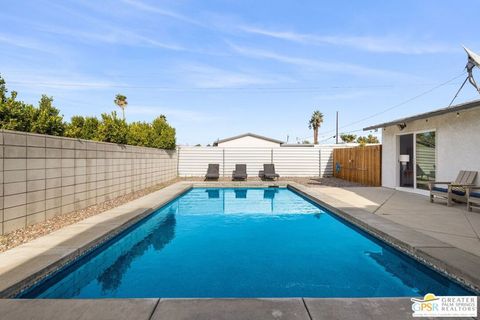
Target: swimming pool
pixel 239 242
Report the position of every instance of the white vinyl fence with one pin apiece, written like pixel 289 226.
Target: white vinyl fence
pixel 289 161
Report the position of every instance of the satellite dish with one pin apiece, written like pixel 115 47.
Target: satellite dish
pixel 473 57
pixel 473 61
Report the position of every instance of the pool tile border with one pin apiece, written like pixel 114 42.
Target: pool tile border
pixel 25 265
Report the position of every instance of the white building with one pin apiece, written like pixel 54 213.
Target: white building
pixel 434 145
pixel 248 140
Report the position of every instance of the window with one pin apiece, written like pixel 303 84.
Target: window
pixel 425 157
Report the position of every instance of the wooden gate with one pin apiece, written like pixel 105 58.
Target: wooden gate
pixel 359 164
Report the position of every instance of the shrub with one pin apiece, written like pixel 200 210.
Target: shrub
pixel 82 128
pixel 75 127
pixel 369 139
pixel 112 129
pixel 3 91
pixel 16 115
pixel 347 138
pixel 140 134
pixel 163 134
pixel 47 118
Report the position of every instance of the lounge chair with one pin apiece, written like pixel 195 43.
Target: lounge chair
pixel 268 172
pixel 213 171
pixel 240 172
pixel 473 198
pixel 455 190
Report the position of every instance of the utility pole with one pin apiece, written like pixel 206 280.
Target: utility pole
pixel 336 130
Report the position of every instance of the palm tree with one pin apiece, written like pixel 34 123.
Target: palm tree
pixel 315 122
pixel 121 101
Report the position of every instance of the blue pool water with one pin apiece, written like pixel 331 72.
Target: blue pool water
pixel 244 243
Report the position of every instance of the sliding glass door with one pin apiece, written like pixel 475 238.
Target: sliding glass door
pixel 417 159
pixel 425 158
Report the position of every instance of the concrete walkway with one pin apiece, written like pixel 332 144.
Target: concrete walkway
pixel 207 309
pixel 453 225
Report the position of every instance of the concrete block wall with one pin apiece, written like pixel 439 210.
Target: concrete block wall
pixel 43 176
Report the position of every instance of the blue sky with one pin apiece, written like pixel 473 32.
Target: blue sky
pixel 221 68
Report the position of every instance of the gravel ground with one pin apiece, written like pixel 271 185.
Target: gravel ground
pixel 21 236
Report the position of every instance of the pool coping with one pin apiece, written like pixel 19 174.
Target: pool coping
pixel 206 309
pixel 27 264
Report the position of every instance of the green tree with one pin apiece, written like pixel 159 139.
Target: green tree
pixel 112 129
pixel 140 134
pixel 368 139
pixel 16 115
pixel 90 129
pixel 47 118
pixel 315 122
pixel 163 134
pixel 3 91
pixel 82 128
pixel 348 138
pixel 121 101
pixel 75 127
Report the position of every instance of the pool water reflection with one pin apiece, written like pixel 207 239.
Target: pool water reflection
pixel 244 243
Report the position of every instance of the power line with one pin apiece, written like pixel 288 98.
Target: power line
pixel 398 104
pixel 405 101
pixel 332 137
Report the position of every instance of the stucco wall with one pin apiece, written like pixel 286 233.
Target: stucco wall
pixel 44 176
pixel 249 141
pixel 457 139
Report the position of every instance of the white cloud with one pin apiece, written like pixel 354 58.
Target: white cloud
pixel 89 28
pixel 65 81
pixel 27 43
pixel 390 44
pixel 328 66
pixel 167 13
pixel 201 76
pixel 175 114
pixel 114 35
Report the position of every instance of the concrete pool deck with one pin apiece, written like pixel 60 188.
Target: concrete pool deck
pixel 453 225
pixel 377 210
pixel 208 309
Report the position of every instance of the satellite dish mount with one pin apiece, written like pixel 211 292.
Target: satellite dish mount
pixel 472 62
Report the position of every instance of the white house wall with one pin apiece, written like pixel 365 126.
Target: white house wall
pixel 248 141
pixel 457 142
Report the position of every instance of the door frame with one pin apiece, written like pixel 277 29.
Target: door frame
pixel 397 166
